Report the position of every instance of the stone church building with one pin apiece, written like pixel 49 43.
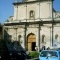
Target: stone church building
pixel 34 23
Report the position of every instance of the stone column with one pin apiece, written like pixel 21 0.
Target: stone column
pixel 39 38
pixel 16 33
pixel 25 37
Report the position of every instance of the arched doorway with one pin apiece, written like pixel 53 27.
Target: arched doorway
pixel 31 42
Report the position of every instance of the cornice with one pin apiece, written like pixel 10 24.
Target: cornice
pixel 18 3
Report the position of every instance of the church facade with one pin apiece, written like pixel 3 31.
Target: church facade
pixel 35 23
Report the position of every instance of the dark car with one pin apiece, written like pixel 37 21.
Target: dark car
pixel 12 51
pixel 16 51
pixel 15 56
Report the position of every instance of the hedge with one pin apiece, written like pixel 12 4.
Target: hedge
pixel 34 54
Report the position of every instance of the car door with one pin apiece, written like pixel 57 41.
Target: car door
pixel 48 58
pixel 43 58
pixel 52 58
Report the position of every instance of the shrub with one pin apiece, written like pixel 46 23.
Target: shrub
pixel 34 54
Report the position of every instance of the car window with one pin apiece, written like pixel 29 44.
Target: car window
pixel 53 54
pixel 43 54
pixel 49 54
pixel 59 53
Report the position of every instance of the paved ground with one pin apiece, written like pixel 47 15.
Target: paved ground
pixel 33 59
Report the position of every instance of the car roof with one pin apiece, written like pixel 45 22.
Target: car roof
pixel 51 50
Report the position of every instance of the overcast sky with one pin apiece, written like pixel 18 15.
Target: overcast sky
pixel 6 9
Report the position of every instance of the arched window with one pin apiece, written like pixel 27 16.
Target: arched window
pixel 56 36
pixel 43 38
pixel 32 14
pixel 19 38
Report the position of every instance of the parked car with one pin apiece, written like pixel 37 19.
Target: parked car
pixel 49 55
pixel 12 51
pixel 16 51
pixel 18 55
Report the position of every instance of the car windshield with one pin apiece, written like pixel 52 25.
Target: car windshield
pixel 49 54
